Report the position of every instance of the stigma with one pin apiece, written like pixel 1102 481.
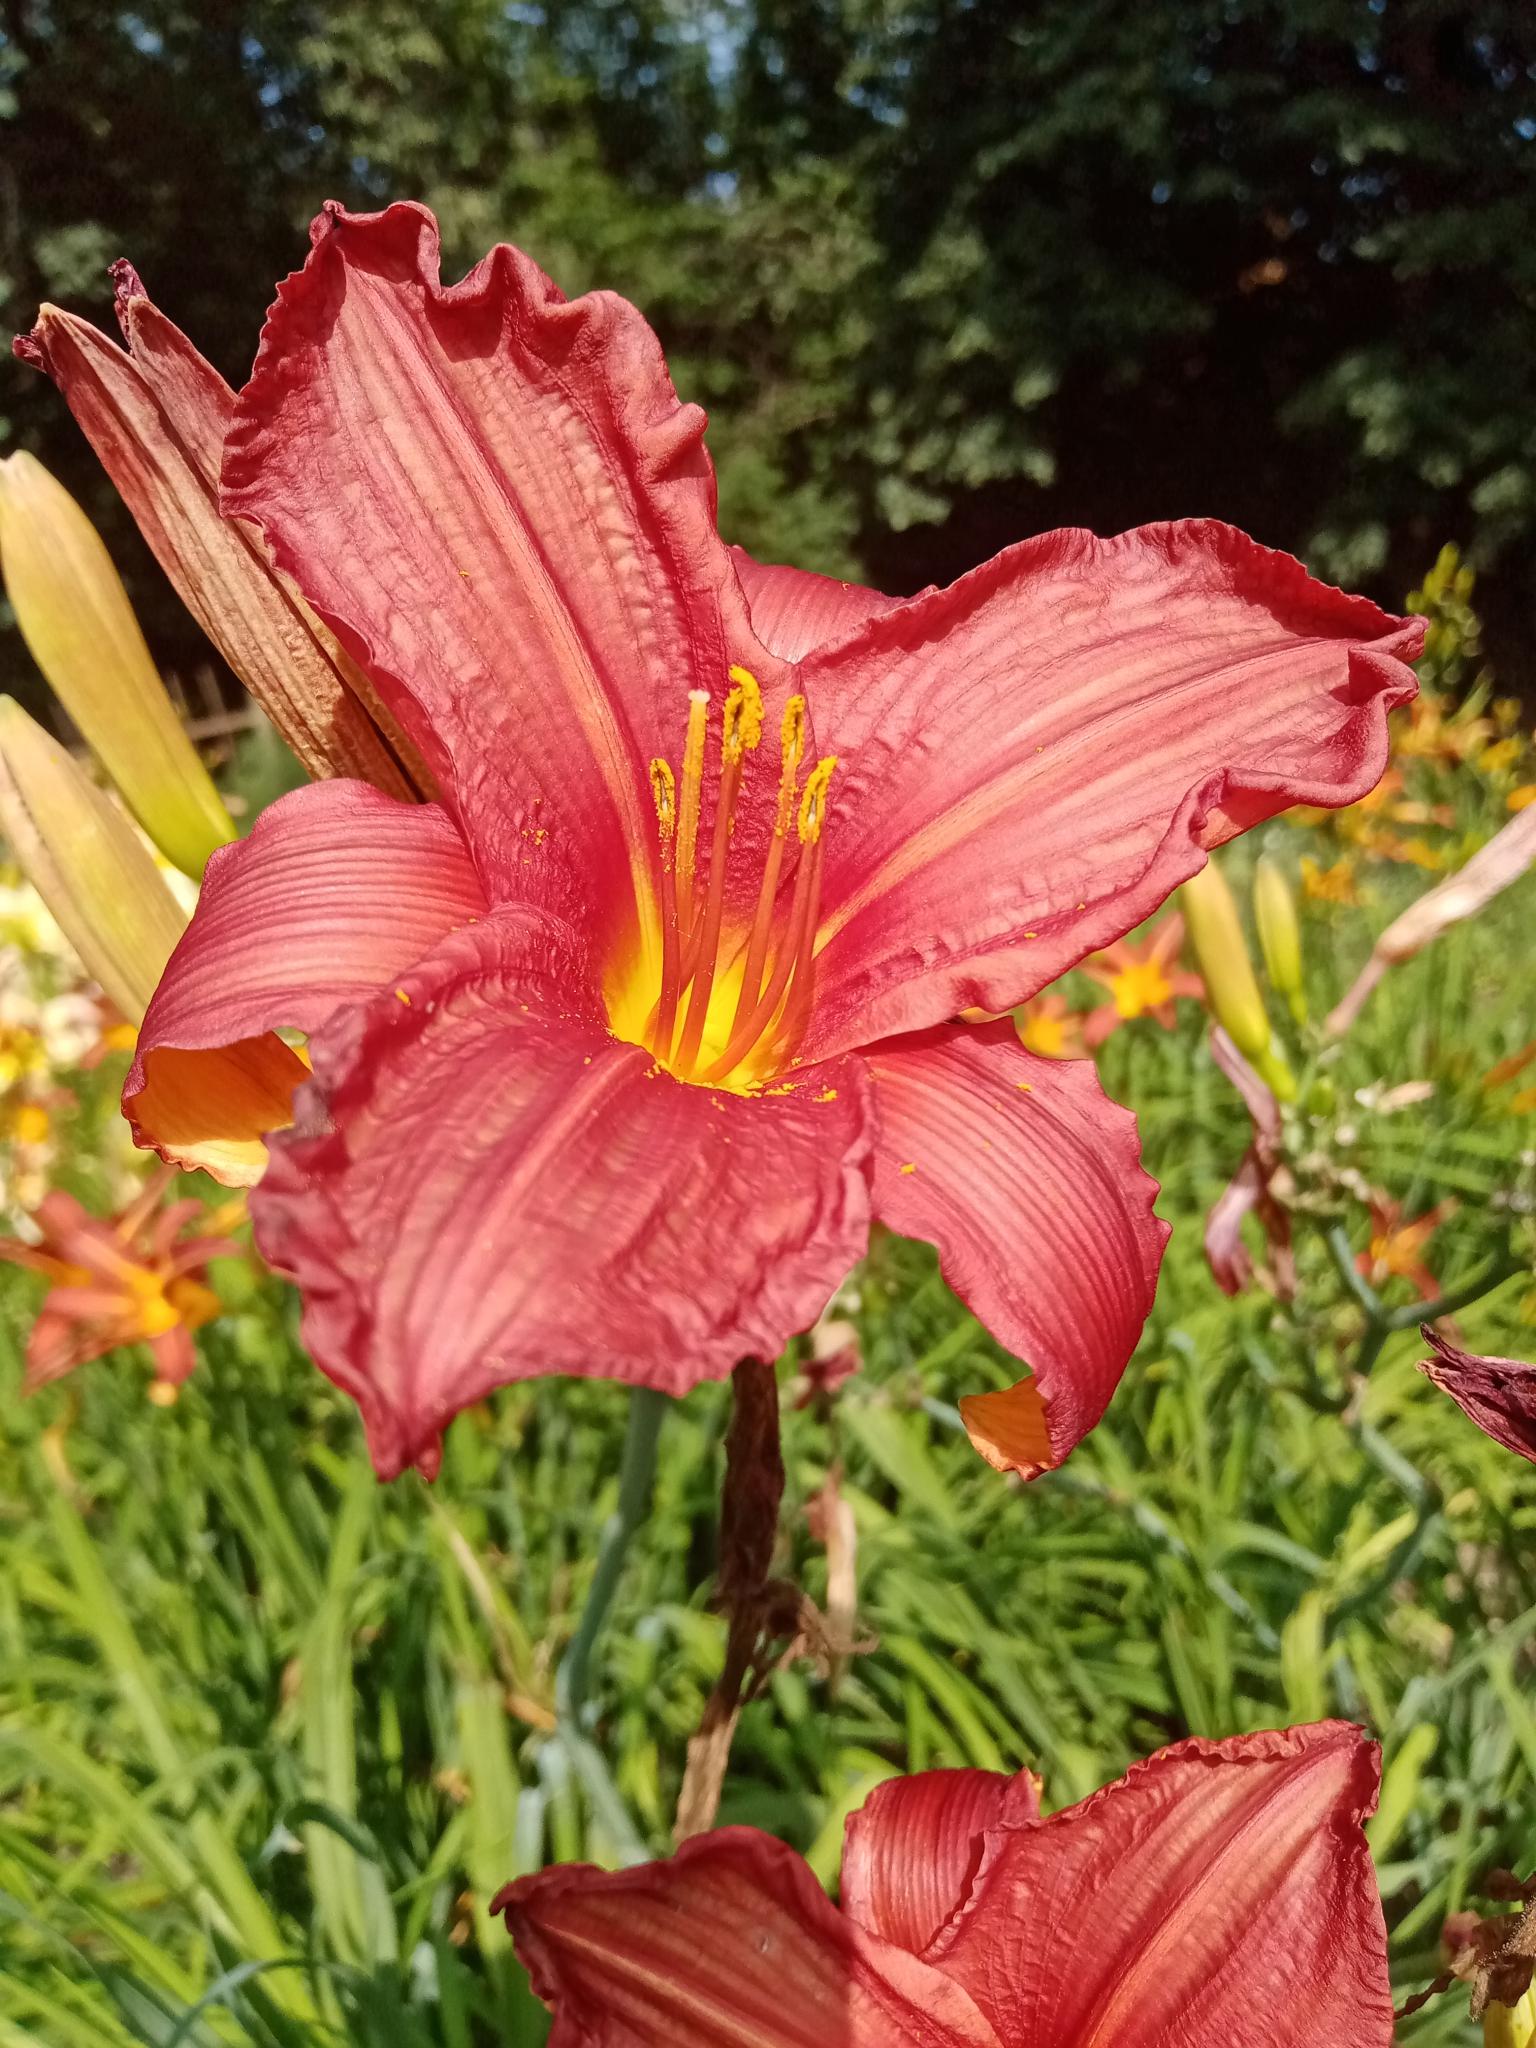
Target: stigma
pixel 735 987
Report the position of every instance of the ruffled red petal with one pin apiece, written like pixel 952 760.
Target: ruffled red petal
pixel 485 1185
pixel 495 500
pixel 1221 1892
pixel 730 1942
pixel 1034 758
pixel 1029 1181
pixel 795 611
pixel 912 1849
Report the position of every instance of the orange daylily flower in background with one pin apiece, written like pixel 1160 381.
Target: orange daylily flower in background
pixel 1414 849
pixel 135 1278
pixel 1503 1072
pixel 1429 735
pixel 1143 981
pixel 1396 1247
pixel 1368 824
pixel 1335 884
pixel 1049 1026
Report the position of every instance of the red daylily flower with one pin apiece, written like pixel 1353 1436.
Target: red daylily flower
pixel 618 1048
pixel 1498 1394
pixel 135 1278
pixel 1143 981
pixel 1220 1895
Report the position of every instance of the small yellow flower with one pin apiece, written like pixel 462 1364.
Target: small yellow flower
pixel 1503 754
pixel 30 1124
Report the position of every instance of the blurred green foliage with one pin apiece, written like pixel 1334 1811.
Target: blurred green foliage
pixel 946 271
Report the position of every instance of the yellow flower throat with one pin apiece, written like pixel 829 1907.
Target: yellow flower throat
pixel 732 1000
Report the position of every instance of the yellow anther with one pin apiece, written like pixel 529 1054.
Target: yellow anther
pixel 743 715
pixel 813 799
pixel 792 749
pixel 664 792
pixel 792 734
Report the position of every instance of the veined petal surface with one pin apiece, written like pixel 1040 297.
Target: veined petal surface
pixel 1028 1179
pixel 484 1185
pixel 337 889
pixel 495 500
pixel 1221 1893
pixel 156 416
pixel 795 611
pixel 912 1849
pixel 1038 755
pixel 731 1943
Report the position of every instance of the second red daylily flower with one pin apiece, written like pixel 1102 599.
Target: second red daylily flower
pixel 136 1278
pixel 1219 1896
pixel 619 1047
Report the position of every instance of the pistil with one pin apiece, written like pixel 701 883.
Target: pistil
pixel 688 807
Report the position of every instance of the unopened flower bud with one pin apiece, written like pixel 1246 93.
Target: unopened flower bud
pixel 1216 934
pixel 1506 2026
pixel 1274 911
pixel 75 617
pixel 79 852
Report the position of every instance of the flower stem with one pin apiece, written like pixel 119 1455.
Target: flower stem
pixel 637 1470
pixel 749 1525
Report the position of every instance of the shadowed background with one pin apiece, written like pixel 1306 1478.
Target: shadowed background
pixel 945 272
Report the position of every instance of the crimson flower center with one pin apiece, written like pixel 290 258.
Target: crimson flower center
pixel 729 1002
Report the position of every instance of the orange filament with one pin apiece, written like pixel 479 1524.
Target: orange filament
pixel 795 955
pixel 694 947
pixel 742 729
pixel 791 753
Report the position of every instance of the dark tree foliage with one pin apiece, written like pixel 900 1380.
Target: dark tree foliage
pixel 945 271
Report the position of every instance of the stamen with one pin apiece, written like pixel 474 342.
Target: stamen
pixel 688 806
pixel 748 698
pixel 664 791
pixel 777 963
pixel 743 728
pixel 795 957
pixel 813 799
pixel 791 753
